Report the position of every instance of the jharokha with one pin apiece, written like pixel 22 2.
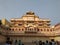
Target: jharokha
pixel 29 28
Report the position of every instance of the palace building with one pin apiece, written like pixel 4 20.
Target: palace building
pixel 30 28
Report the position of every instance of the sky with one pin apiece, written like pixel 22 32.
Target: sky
pixel 42 8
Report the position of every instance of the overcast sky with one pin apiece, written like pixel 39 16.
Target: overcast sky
pixel 43 8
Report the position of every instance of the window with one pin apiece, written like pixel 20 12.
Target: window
pixel 34 28
pixel 30 22
pixel 50 29
pixel 48 21
pixel 25 28
pixel 19 29
pixel 38 29
pixel 12 21
pixel 22 29
pixel 9 29
pixel 19 24
pixel 12 29
pixel 41 30
pixel 47 29
pixel 29 29
pixel 40 24
pixel 48 24
pixel 44 29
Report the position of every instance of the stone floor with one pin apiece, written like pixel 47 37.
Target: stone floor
pixel 17 44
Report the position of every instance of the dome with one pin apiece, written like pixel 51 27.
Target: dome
pixel 30 13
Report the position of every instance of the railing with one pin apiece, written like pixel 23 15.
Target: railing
pixel 31 33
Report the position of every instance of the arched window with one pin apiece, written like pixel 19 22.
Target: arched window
pixel 44 29
pixel 51 30
pixel 9 29
pixel 30 29
pixel 40 24
pixel 19 24
pixel 22 29
pixel 41 29
pixel 47 29
pixel 38 29
pixel 19 29
pixel 12 29
pixel 25 28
